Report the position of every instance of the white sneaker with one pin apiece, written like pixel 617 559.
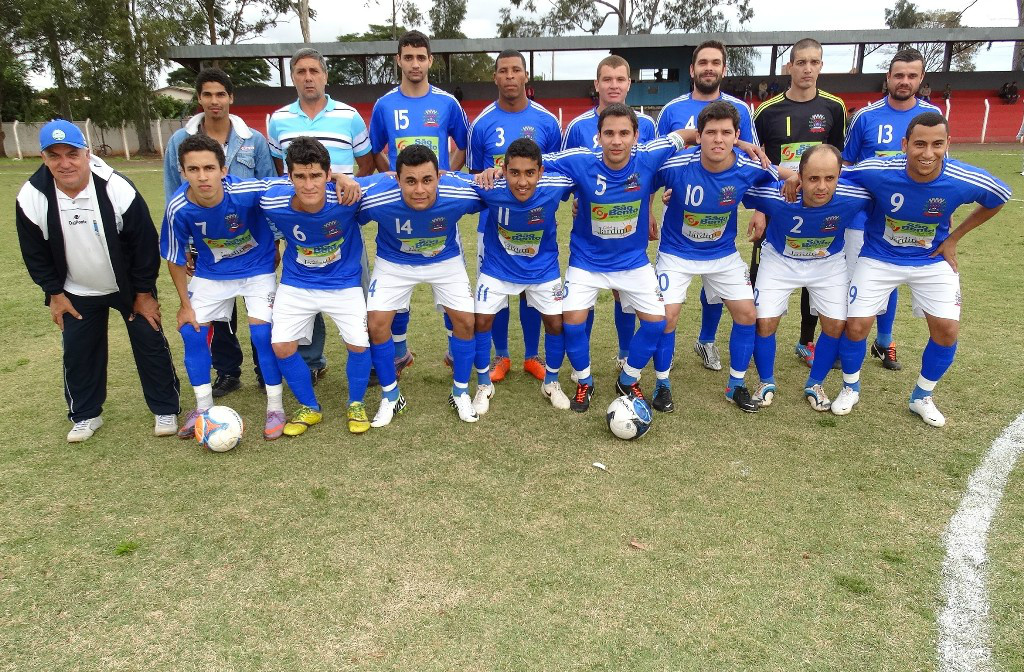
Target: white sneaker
pixel 929 413
pixel 553 391
pixel 765 393
pixel 844 403
pixel 482 399
pixel 464 406
pixel 817 398
pixel 709 355
pixel 83 429
pixel 165 425
pixel 387 411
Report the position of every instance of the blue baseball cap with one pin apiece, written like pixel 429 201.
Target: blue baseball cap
pixel 61 132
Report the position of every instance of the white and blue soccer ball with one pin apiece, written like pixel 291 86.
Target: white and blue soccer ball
pixel 219 428
pixel 628 417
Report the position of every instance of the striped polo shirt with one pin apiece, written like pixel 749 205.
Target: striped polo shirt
pixel 338 126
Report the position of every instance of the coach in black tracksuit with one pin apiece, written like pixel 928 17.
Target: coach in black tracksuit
pixel 88 241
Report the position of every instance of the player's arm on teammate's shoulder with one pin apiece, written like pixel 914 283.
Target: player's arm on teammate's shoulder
pixel 947 248
pixel 348 190
pixel 754 152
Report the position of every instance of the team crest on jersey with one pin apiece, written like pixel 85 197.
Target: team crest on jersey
pixel 233 221
pixel 816 123
pixel 935 207
pixel 633 182
pixel 727 196
pixel 437 224
pixel 529 132
pixel 535 216
pixel 332 229
pixel 430 118
pixel 830 223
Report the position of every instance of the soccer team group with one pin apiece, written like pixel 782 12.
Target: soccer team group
pixel 844 214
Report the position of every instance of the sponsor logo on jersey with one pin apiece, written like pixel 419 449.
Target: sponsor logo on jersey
pixel 428 247
pixel 499 160
pixel 229 248
pixel 885 153
pixel 704 227
pixel 318 256
pixel 438 224
pixel 332 229
pixel 900 233
pixel 935 207
pixel 808 248
pixel 535 215
pixel 430 118
pixel 410 140
pixel 727 196
pixel 830 223
pixel 633 182
pixel 816 123
pixel 233 221
pixel 520 243
pixel 614 220
pixel 792 151
pixel 529 132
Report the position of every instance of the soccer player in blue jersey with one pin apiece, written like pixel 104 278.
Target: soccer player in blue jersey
pixel 707 70
pixel 510 117
pixel 878 130
pixel 803 248
pixel 698 237
pixel 521 236
pixel 235 257
pixel 908 240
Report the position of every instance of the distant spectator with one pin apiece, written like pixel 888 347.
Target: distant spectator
pixel 458 94
pixel 762 90
pixel 1013 93
pixel 748 93
pixel 947 93
pixel 593 96
pixel 774 88
pixel 925 92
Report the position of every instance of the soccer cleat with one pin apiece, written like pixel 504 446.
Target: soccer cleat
pixel 581 400
pixel 805 352
pixel 817 398
pixel 482 399
pixel 662 401
pixel 225 385
pixel 357 420
pixel 165 425
pixel 273 428
pixel 709 355
pixel 315 375
pixel 553 392
pixel 404 362
pixel 387 411
pixel 535 367
pixel 188 428
pixel 765 394
pixel 619 363
pixel 847 399
pixel 925 407
pixel 633 390
pixel 887 355
pixel 83 429
pixel 499 368
pixel 464 405
pixel 303 419
pixel 740 396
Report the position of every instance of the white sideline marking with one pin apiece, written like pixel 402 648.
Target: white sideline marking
pixel 964 637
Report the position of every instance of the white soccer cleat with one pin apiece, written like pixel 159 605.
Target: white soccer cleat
pixel 926 408
pixel 482 399
pixel 847 399
pixel 165 425
pixel 709 355
pixel 553 392
pixel 765 393
pixel 387 411
pixel 464 405
pixel 84 429
pixel 817 398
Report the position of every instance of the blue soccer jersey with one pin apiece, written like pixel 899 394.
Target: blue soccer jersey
pixel 800 232
pixel 909 220
pixel 232 239
pixel 700 218
pixel 419 237
pixel 609 232
pixel 399 121
pixel 521 237
pixel 493 130
pixel 878 129
pixel 323 250
pixel 582 131
pixel 682 113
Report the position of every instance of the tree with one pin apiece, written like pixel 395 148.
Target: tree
pixel 905 14
pixel 404 9
pixel 379 69
pixel 243 72
pixel 632 17
pixel 49 31
pixel 446 17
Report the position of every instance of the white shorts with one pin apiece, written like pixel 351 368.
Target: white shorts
pixel 391 284
pixel 726 278
pixel 934 288
pixel 853 240
pixel 295 308
pixel 638 289
pixel 214 300
pixel 825 280
pixel 492 295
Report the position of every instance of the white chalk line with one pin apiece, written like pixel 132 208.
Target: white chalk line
pixel 964 635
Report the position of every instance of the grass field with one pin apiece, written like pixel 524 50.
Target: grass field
pixel 786 540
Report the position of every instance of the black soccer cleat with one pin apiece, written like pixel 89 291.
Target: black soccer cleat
pixel 224 385
pixel 633 390
pixel 580 401
pixel 887 355
pixel 742 398
pixel 662 401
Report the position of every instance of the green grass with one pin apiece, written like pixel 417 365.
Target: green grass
pixel 788 540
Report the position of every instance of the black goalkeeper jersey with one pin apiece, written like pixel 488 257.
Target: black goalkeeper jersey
pixel 787 128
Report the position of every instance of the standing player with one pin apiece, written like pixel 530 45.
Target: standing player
pixel 707 70
pixel 908 241
pixel 789 124
pixel 707 184
pixel 235 251
pixel 877 130
pixel 510 117
pixel 612 86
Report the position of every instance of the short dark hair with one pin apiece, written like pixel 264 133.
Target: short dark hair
pixel 708 44
pixel 214 75
pixel 617 110
pixel 200 142
pixel 718 110
pixel 823 147
pixel 524 148
pixel 414 38
pixel 806 43
pixel 927 119
pixel 415 155
pixel 304 151
pixel 906 56
pixel 510 53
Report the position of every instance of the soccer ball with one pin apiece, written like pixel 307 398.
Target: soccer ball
pixel 628 418
pixel 219 428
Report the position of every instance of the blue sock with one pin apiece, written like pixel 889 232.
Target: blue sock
pixel 296 372
pixel 554 354
pixel 482 358
pixel 197 354
pixel 530 318
pixel 590 323
pixel 664 353
pixel 741 347
pixel 260 335
pixel 886 320
pixel 577 349
pixel 463 350
pixel 851 354
pixel 499 333
pixel 357 369
pixel 383 357
pixel 825 352
pixel 399 330
pixel 764 357
pixel 625 325
pixel 935 361
pixel 710 316
pixel 641 349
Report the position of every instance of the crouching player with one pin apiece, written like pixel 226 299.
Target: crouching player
pixel 907 240
pixel 235 257
pixel 803 247
pixel 521 236
pixel 321 272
